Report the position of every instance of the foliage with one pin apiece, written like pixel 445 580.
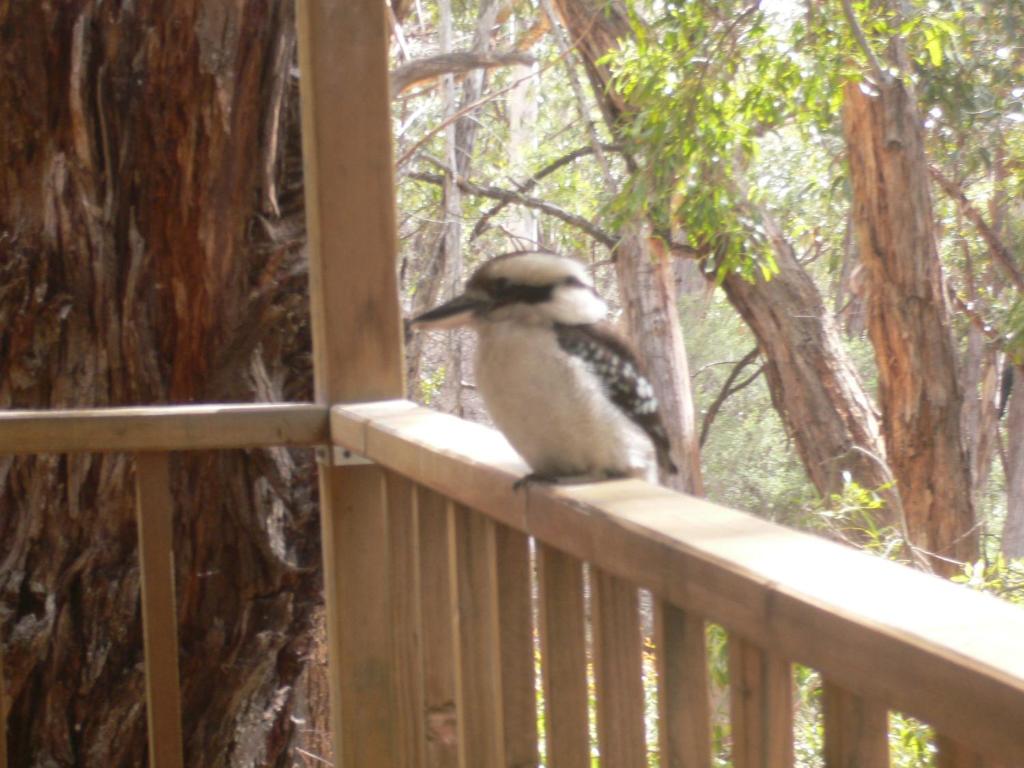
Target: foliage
pixel 1000 576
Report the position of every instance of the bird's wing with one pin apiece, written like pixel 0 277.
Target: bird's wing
pixel 614 362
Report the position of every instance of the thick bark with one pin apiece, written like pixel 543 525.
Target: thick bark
pixel 139 142
pixel 908 320
pixel 812 381
pixel 646 281
pixel 1013 530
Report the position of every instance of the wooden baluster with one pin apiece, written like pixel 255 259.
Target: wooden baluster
pixel 684 723
pixel 474 580
pixel 856 731
pixel 563 658
pixel 155 518
pixel 518 680
pixel 618 672
pixel 438 644
pixel 357 593
pixel 403 522
pixel 761 699
pixel 955 754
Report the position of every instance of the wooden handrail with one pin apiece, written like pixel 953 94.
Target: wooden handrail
pixel 899 638
pixel 163 428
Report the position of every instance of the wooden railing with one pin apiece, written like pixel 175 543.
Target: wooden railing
pixel 151 433
pixel 441 602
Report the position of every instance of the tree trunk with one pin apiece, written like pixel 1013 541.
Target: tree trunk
pixel 646 281
pixel 144 261
pixel 812 381
pixel 1013 529
pixel 908 320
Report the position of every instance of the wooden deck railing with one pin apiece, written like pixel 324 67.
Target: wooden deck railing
pixel 450 608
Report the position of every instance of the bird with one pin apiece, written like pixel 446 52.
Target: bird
pixel 562 386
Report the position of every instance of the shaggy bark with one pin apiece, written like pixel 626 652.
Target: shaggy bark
pixel 812 381
pixel 148 257
pixel 908 320
pixel 1013 530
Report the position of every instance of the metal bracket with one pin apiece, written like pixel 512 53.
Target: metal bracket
pixel 336 456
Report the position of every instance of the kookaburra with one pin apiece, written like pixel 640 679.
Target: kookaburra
pixel 565 390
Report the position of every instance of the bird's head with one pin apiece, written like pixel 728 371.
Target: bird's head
pixel 529 288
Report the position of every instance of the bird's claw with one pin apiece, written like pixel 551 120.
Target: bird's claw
pixel 533 477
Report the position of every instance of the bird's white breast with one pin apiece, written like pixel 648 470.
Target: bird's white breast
pixel 553 411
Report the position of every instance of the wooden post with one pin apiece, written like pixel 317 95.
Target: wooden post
pixel 684 719
pixel 438 645
pixel 408 621
pixel 856 730
pixel 155 515
pixel 761 703
pixel 563 658
pixel 357 350
pixel 518 680
pixel 473 579
pixel 618 671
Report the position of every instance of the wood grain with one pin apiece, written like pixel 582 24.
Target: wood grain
pixel 403 528
pixel 910 641
pixel 357 592
pixel 478 697
pixel 357 350
pixel 618 671
pixel 563 658
pixel 856 730
pixel 165 428
pixel 437 623
pixel 515 619
pixel 761 707
pixel 350 207
pixel 155 516
pixel 684 722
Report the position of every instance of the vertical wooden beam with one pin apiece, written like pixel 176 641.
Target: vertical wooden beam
pixel 761 702
pixel 350 207
pixel 563 658
pixel 618 672
pixel 155 517
pixel 357 349
pixel 438 643
pixel 474 580
pixel 684 722
pixel 357 590
pixel 856 731
pixel 403 521
pixel 954 754
pixel 518 679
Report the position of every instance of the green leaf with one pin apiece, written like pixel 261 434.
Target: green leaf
pixel 933 45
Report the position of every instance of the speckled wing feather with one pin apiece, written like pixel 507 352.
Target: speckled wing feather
pixel 611 359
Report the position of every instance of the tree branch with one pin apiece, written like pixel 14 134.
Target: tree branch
pixel 428 68
pixel 880 72
pixel 1000 253
pixel 510 196
pixel 532 182
pixel 729 389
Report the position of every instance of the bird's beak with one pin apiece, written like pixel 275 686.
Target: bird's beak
pixel 451 314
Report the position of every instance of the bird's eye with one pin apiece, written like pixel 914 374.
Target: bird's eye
pixel 575 282
pixel 500 284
